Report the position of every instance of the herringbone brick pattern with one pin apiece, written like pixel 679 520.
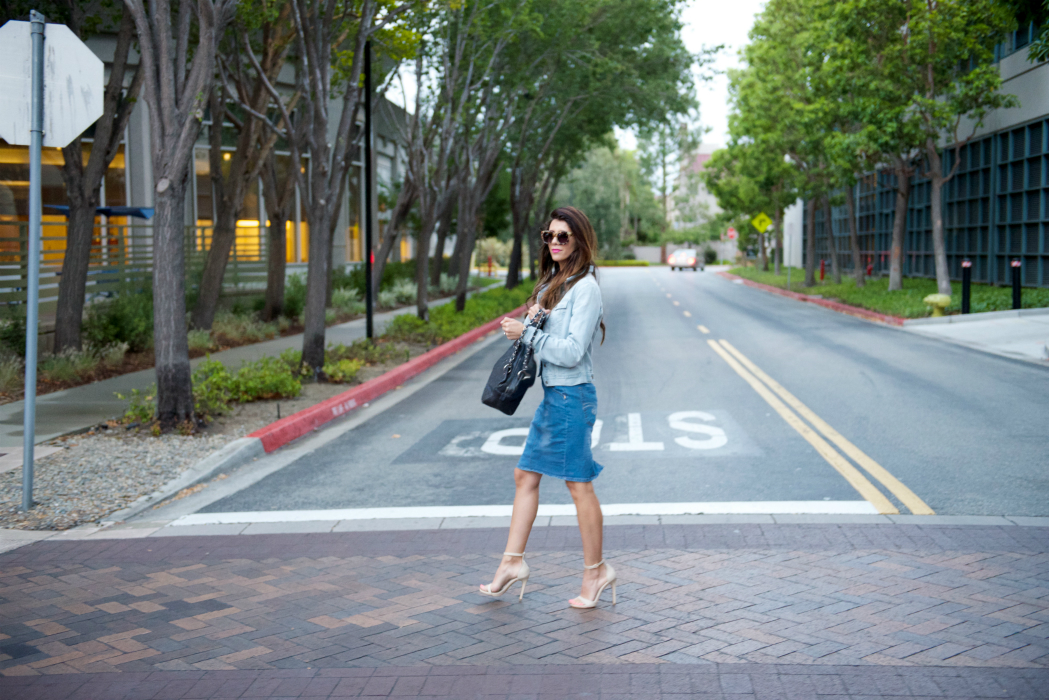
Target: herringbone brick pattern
pixel 946 597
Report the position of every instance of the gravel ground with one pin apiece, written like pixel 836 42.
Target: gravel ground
pixel 103 471
pixel 96 475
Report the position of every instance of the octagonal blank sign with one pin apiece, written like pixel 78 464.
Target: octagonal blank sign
pixel 73 84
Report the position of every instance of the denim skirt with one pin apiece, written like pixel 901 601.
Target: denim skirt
pixel 558 441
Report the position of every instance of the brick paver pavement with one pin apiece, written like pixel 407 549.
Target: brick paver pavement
pixel 704 611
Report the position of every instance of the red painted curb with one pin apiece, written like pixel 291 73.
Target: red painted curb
pixel 285 430
pixel 825 303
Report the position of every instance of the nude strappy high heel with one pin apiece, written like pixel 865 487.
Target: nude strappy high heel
pixel 610 580
pixel 522 576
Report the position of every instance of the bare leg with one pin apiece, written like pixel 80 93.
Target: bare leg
pixel 591 524
pixel 526 505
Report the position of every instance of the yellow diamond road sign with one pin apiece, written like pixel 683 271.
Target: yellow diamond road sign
pixel 761 222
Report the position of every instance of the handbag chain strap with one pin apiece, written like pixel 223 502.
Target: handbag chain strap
pixel 538 320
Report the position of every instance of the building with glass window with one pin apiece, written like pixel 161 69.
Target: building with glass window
pixel 122 244
pixel 996 207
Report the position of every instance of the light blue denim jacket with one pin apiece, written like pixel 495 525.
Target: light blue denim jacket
pixel 563 347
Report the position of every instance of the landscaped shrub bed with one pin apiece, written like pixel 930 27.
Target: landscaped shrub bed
pixel 906 302
pixel 445 323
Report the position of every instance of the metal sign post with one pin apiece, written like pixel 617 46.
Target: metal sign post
pixel 36 142
pixel 52 117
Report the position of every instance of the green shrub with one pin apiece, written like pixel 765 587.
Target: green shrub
pixel 409 328
pixel 128 318
pixel 446 323
pixel 404 291
pixel 67 366
pixel 212 388
pixel 710 256
pixel 142 406
pixel 448 283
pixel 366 351
pixel 387 299
pixel 295 295
pixel 11 376
pixel 347 300
pixel 267 378
pixel 236 329
pixel 342 371
pixel 12 330
pixel 391 273
pixel 113 355
pixel 199 340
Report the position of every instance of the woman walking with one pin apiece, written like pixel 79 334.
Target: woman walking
pixel 558 443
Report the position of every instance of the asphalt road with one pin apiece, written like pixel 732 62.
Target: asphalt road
pixel 919 423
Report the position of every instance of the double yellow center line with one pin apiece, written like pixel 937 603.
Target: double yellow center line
pixel 782 401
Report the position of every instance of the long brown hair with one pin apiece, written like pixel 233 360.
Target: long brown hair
pixel 555 279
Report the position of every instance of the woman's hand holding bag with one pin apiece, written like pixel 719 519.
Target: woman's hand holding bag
pixel 512 375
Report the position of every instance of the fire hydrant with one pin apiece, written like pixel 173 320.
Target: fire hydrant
pixel 938 302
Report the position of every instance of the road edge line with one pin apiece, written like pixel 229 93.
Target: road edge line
pixel 910 499
pixel 838 306
pixel 281 432
pixel 850 473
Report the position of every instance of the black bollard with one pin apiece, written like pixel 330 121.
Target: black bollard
pixel 1016 284
pixel 967 283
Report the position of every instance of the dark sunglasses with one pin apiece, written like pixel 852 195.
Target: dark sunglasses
pixel 561 236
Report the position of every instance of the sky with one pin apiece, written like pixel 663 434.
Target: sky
pixel 708 23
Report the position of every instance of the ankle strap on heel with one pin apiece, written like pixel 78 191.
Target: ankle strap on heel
pixel 595 565
pixel 514 554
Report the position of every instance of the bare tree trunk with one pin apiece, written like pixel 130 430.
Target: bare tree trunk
pixel 939 250
pixel 438 253
pixel 810 244
pixel 899 225
pixel 316 291
pixel 175 94
pixel 170 344
pixel 522 194
pixel 81 229
pixel 832 243
pixel 276 265
pixel 422 270
pixel 854 237
pixel 279 199
pixel 778 229
pixel 466 234
pixel 762 250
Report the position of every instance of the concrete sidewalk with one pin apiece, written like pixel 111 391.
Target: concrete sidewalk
pixel 1021 334
pixel 74 409
pixel 737 610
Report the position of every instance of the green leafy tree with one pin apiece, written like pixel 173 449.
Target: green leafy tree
pixel 946 61
pixel 617 198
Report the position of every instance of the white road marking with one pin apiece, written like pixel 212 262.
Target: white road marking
pixel 547 510
pixel 494 444
pixel 679 421
pixel 635 438
pixel 595 434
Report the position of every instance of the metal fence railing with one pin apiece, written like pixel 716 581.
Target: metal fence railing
pixel 121 259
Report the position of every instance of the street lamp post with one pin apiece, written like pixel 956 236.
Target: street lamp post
pixel 368 191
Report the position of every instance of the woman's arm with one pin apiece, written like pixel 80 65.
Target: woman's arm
pixel 585 314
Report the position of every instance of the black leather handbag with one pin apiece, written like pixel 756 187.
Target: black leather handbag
pixel 513 374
